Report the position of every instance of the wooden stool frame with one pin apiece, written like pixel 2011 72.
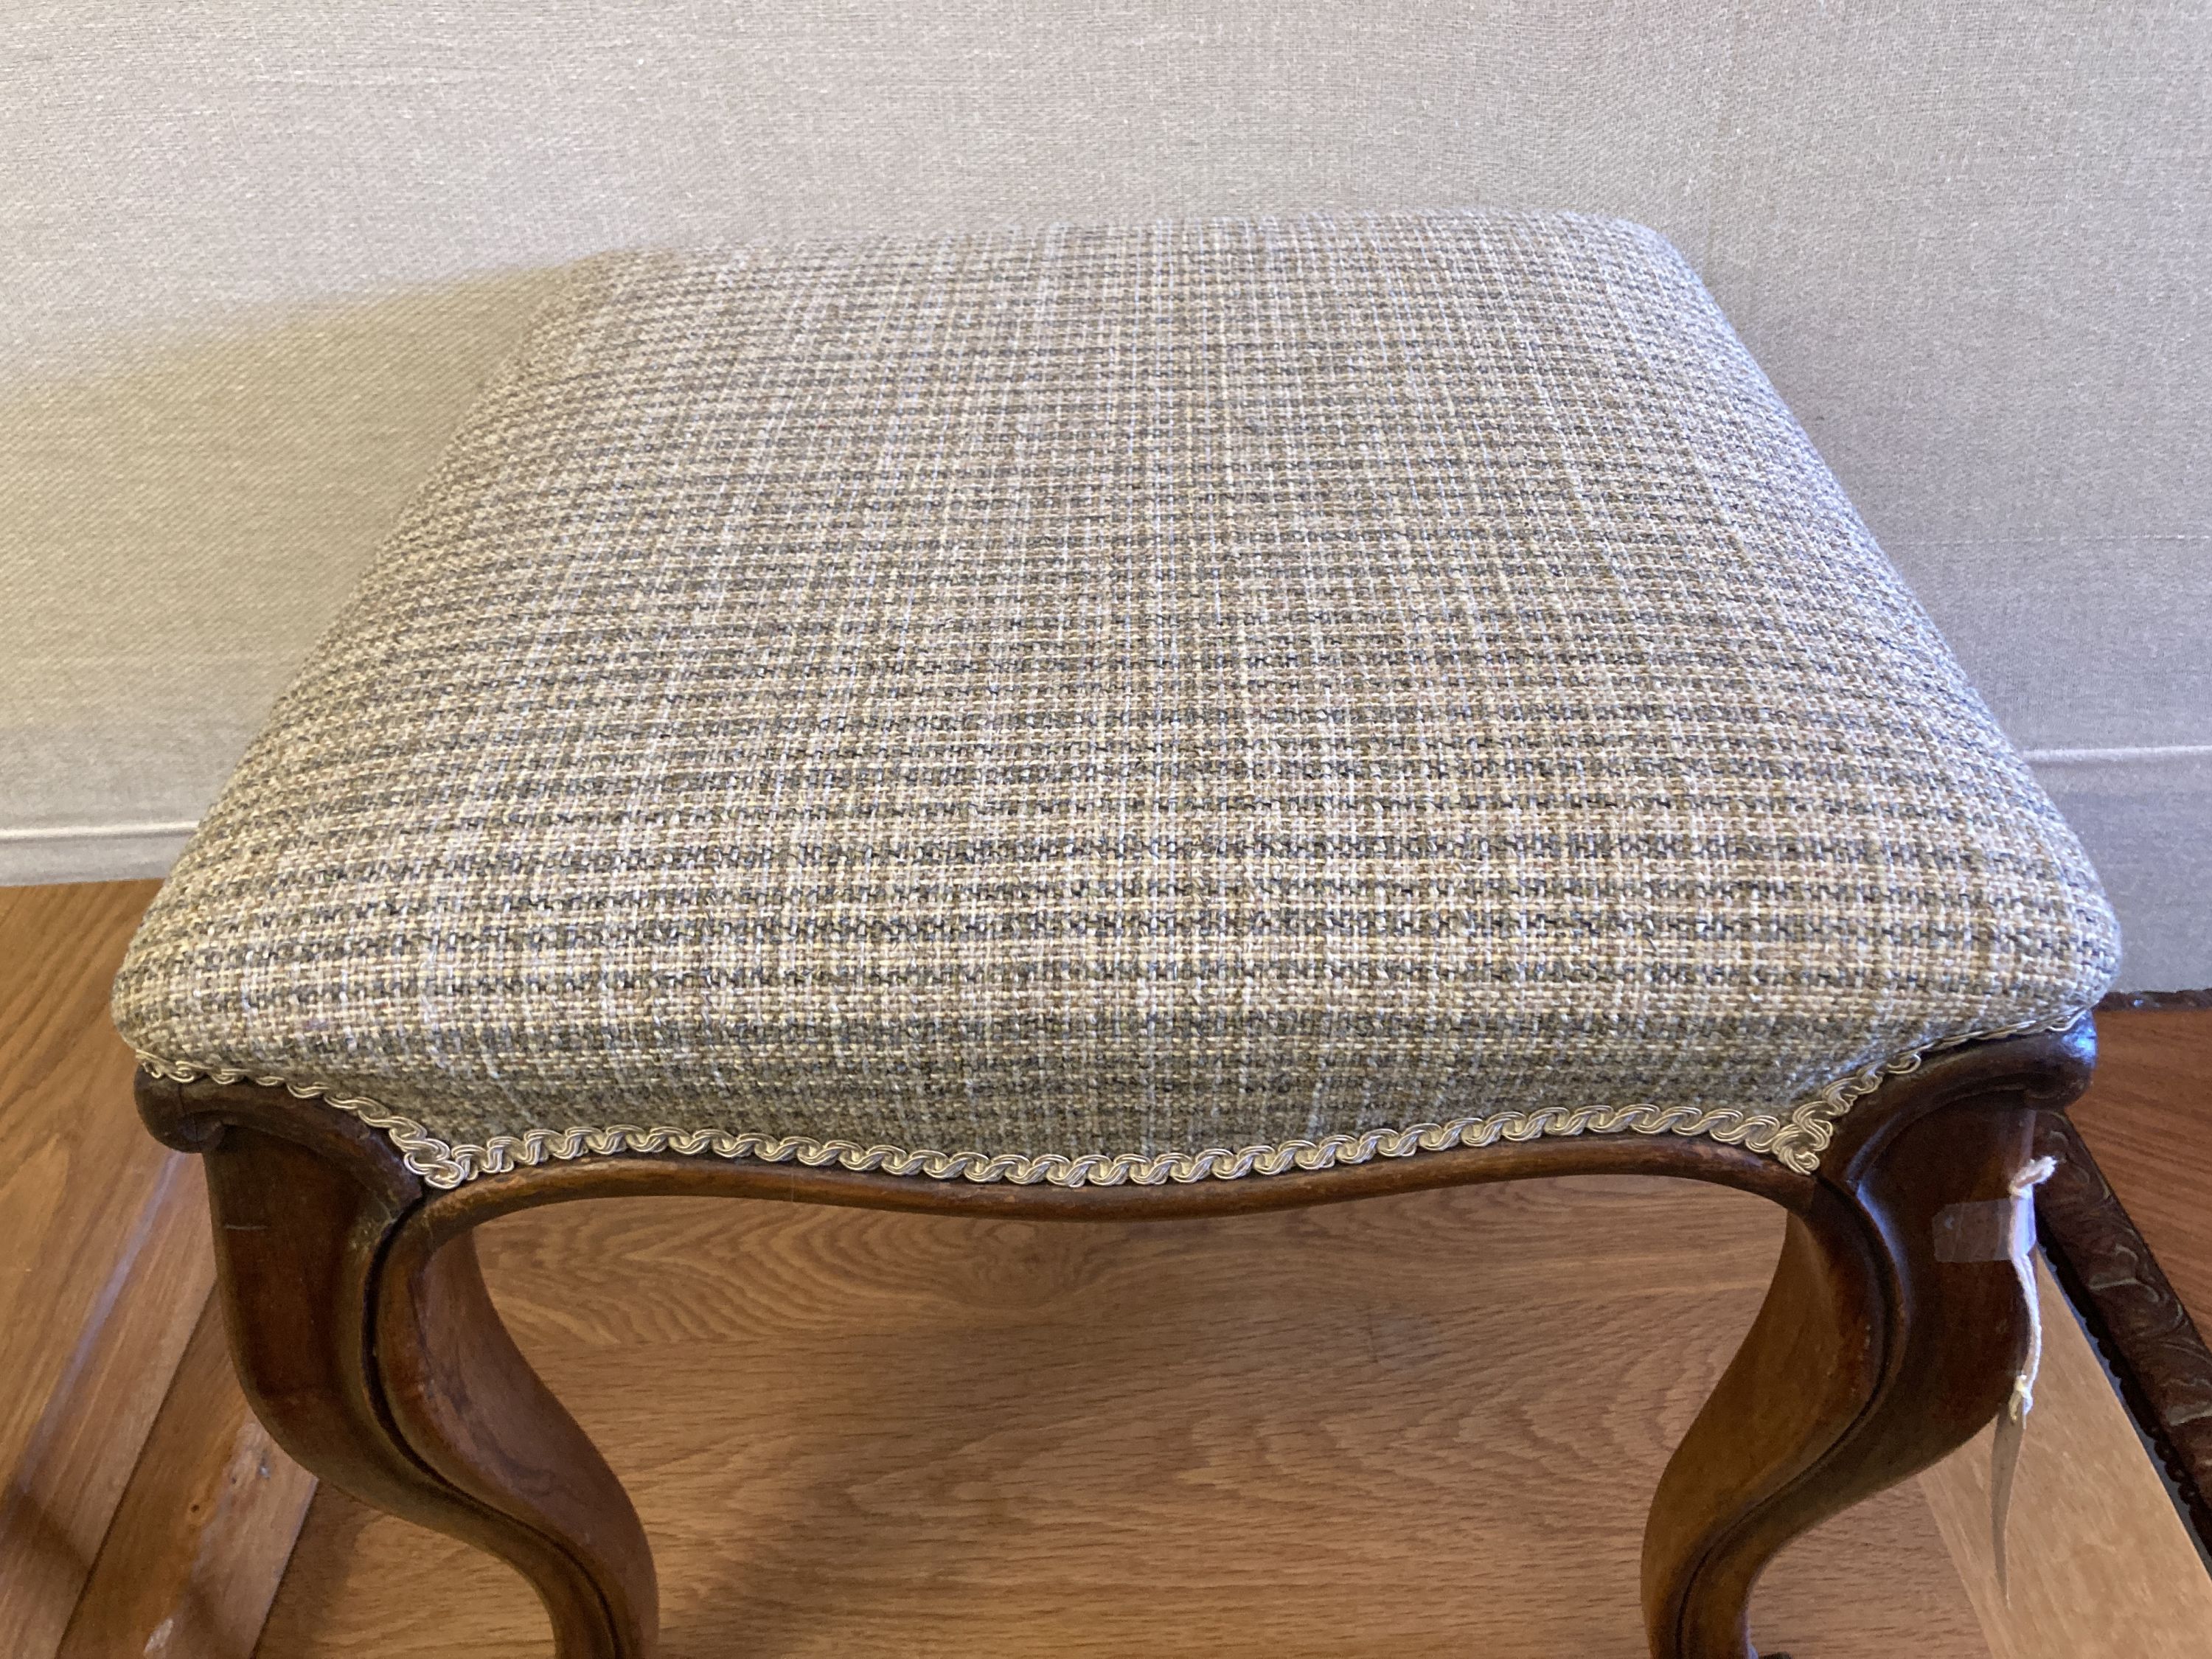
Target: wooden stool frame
pixel 368 1344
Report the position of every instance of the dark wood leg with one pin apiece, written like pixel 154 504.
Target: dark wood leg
pixel 1871 1359
pixel 370 1349
pixel 367 1344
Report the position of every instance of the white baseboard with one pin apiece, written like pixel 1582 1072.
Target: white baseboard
pixel 96 852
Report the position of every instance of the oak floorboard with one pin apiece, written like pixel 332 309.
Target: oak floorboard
pixel 2147 1120
pixel 1423 1425
pixel 75 1166
pixel 199 1542
pixel 2098 1560
pixel 104 1236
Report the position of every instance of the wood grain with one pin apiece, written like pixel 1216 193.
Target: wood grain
pixel 367 1340
pixel 1402 1427
pixel 2148 1119
pixel 2130 1314
pixel 2101 1564
pixel 199 1542
pixel 1875 1354
pixel 104 1236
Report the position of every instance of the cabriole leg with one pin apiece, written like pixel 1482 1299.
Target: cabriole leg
pixel 1872 1357
pixel 374 1355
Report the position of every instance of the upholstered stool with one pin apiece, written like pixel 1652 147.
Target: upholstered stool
pixel 1111 723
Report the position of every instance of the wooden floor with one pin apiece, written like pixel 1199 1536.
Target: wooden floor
pixel 104 1263
pixel 1422 1426
pixel 2148 1121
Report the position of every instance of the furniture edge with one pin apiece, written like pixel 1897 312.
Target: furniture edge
pixel 2158 1358
pixel 2126 1001
pixel 2046 1069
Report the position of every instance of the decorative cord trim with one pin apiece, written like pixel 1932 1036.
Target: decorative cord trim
pixel 1796 1140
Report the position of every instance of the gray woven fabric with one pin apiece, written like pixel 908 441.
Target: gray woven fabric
pixel 1121 692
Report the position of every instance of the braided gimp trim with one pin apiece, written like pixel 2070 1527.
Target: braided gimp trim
pixel 1795 1137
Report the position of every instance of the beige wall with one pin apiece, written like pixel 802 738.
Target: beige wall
pixel 253 259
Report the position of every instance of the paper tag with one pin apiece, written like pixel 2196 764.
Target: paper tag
pixel 1986 1230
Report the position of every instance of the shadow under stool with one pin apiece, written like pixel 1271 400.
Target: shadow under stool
pixel 1098 723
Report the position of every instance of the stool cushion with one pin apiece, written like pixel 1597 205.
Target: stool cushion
pixel 1152 703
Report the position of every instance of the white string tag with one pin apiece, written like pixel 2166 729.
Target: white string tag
pixel 2012 1422
pixel 2003 1230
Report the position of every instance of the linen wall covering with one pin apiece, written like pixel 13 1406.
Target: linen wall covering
pixel 255 260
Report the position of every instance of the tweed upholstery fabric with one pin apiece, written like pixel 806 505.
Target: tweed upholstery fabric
pixel 1132 692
